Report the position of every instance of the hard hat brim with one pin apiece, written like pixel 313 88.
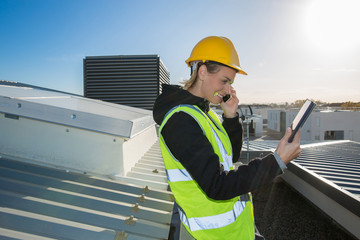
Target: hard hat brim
pixel 236 68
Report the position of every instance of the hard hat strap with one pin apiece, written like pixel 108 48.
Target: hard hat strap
pixel 193 66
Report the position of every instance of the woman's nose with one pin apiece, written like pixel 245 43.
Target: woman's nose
pixel 228 88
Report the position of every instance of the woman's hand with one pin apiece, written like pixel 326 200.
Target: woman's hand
pixel 230 107
pixel 289 151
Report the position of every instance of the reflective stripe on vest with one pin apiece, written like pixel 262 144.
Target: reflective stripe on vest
pixel 177 175
pixel 210 222
pixel 227 160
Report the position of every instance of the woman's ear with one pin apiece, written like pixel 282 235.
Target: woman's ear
pixel 202 71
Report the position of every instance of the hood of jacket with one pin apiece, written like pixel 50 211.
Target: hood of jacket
pixel 174 95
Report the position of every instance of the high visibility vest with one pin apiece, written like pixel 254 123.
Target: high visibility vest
pixel 203 217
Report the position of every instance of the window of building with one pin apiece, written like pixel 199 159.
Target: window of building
pixel 334 135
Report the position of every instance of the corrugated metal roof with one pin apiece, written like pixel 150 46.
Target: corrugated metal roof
pixel 328 174
pixel 339 163
pixel 37 202
pixel 336 161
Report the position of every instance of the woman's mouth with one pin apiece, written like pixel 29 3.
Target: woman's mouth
pixel 219 95
pixel 224 98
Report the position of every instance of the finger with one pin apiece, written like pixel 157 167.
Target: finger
pixel 288 133
pixel 297 137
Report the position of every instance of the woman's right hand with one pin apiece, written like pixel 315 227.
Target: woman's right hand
pixel 289 151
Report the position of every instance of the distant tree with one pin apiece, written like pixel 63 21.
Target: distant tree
pixel 286 105
pixel 334 104
pixel 298 103
pixel 320 103
pixel 350 105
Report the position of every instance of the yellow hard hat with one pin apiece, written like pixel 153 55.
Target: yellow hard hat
pixel 217 49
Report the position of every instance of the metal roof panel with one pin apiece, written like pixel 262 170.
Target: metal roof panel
pixel 43 202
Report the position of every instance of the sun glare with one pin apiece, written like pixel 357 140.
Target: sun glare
pixel 333 25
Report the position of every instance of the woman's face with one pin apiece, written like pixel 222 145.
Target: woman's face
pixel 216 85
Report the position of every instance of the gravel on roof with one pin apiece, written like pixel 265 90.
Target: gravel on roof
pixel 282 213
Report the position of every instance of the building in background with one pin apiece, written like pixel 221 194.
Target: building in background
pixel 321 125
pixel 132 80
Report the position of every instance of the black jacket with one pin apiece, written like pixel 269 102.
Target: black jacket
pixel 190 146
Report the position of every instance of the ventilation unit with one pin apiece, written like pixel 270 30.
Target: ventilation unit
pixel 132 80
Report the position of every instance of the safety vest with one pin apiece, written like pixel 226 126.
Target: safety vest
pixel 203 217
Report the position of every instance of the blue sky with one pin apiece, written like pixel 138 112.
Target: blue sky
pixel 291 49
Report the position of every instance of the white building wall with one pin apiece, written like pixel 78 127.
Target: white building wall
pixel 349 122
pixel 259 126
pixel 263 112
pixel 274 120
pixel 320 122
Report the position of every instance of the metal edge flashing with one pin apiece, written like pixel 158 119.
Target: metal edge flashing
pixel 342 197
pixel 338 204
pixel 124 136
pixel 140 125
pixel 51 114
pixel 24 85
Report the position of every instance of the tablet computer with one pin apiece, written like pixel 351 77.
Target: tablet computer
pixel 301 117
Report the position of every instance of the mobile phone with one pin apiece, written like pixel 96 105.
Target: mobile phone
pixel 227 97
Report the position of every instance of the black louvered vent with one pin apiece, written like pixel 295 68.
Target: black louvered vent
pixel 132 80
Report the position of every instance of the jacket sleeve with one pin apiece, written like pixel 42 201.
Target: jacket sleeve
pixel 234 129
pixel 186 141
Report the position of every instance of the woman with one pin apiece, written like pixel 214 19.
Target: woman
pixel 213 198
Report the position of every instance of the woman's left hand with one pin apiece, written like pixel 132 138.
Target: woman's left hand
pixel 230 107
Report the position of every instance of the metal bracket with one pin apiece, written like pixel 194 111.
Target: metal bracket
pixel 135 208
pixel 121 235
pixel 146 189
pixel 130 221
pixel 142 198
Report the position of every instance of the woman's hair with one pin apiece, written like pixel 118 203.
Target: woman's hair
pixel 212 67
